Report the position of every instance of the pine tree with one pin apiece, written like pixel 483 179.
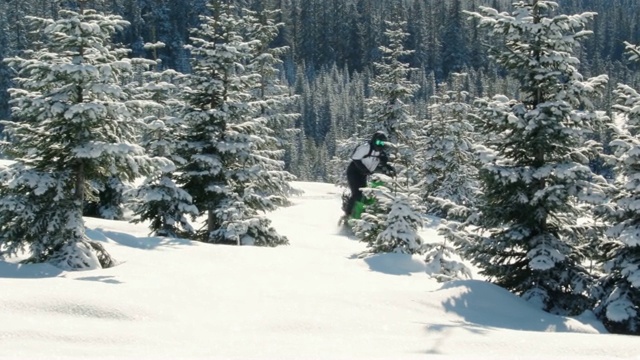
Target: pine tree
pixel 535 178
pixel 392 222
pixel 444 263
pixel 387 109
pixel 618 291
pixel 72 125
pixel 454 41
pixel 450 171
pixel 449 164
pixel 202 173
pixel 225 169
pixel 159 199
pixel 346 101
pixel 274 116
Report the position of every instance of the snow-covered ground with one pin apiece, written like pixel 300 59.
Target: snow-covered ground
pixel 313 299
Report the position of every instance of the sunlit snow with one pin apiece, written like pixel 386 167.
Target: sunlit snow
pixel 313 299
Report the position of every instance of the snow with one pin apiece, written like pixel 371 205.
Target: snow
pixel 313 299
pixel 630 236
pixel 620 310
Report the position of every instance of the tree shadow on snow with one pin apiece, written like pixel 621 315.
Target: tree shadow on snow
pixel 102 279
pixel 440 335
pixel 134 241
pixel 44 270
pixel 394 264
pixel 28 271
pixel 485 305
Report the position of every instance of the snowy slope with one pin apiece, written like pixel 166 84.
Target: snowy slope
pixel 313 299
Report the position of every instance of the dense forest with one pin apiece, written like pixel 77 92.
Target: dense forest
pixel 514 124
pixel 332 45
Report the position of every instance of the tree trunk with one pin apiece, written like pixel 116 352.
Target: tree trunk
pixel 211 223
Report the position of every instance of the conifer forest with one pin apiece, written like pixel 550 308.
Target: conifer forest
pixel 514 122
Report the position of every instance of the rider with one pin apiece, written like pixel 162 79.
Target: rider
pixel 366 159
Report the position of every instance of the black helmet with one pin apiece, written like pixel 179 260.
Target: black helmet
pixel 378 139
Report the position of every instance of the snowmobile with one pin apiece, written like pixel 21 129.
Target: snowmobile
pixel 360 205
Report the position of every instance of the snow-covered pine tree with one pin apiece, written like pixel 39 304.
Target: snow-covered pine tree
pixel 110 200
pixel 351 102
pixel 202 173
pixel 618 291
pixel 72 124
pixel 449 166
pixel 444 263
pixel 272 97
pixel 159 199
pixel 535 175
pixel 449 171
pixel 391 223
pixel 387 110
pixel 254 171
pixel 224 169
pixel 450 174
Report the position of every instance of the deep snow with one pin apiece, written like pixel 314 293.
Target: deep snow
pixel 314 299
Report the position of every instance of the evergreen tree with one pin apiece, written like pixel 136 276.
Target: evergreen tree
pixel 5 75
pixel 444 262
pixel 274 103
pixel 201 174
pixel 224 169
pixel 391 222
pixel 388 111
pixel 389 107
pixel 159 199
pixel 418 29
pixel 535 177
pixel 454 42
pixel 449 166
pixel 72 125
pixel 618 291
pixel 450 175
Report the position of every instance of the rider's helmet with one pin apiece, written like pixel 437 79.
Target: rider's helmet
pixel 378 140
